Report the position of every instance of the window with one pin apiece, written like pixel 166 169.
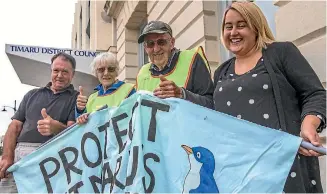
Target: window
pixel 89 7
pixel 143 56
pixel 75 45
pixel 88 23
pixel 269 10
pixel 224 53
pixel 88 29
pixel 80 30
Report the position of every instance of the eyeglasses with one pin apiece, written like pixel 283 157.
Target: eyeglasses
pixel 160 42
pixel 103 69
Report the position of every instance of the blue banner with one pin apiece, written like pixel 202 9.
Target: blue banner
pixel 149 145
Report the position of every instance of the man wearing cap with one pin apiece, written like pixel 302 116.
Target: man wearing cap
pixel 173 73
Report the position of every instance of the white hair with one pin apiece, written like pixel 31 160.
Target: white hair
pixel 104 58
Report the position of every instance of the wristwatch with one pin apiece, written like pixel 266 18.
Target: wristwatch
pixel 183 93
pixel 319 129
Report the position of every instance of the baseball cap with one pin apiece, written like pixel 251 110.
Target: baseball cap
pixel 157 27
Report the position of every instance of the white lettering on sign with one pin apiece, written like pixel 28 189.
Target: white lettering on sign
pixel 52 51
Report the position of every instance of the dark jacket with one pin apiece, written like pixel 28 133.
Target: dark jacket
pixel 297 89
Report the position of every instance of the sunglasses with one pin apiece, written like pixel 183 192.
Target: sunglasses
pixel 159 42
pixel 103 69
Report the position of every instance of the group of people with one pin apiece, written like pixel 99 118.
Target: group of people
pixel 266 82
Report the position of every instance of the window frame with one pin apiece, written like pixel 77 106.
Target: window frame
pixel 142 55
pixel 224 54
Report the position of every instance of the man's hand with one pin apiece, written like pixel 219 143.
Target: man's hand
pixel 82 119
pixel 309 133
pixel 9 144
pixel 81 100
pixel 167 89
pixel 5 163
pixel 45 126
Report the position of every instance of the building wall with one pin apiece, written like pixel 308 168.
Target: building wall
pixel 85 20
pixel 194 23
pixel 127 23
pixel 100 38
pixel 79 27
pixel 101 27
pixel 76 27
pixel 196 19
pixel 304 24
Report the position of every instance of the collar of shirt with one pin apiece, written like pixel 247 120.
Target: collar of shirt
pixel 153 67
pixel 70 88
pixel 110 90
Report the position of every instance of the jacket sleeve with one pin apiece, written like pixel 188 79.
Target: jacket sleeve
pixel 311 93
pixel 220 71
pixel 78 112
pixel 199 89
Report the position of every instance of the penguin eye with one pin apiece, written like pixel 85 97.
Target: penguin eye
pixel 198 154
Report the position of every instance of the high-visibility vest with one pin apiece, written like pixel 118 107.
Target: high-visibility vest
pixel 180 74
pixel 112 100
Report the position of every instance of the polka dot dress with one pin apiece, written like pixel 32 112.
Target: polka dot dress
pixel 250 97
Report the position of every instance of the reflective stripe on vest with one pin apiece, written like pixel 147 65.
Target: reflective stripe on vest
pixel 112 100
pixel 180 74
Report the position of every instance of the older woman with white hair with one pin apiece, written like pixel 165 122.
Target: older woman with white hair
pixel 110 91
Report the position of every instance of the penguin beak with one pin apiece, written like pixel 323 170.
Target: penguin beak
pixel 187 149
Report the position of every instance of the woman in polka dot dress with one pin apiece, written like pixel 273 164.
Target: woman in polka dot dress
pixel 270 83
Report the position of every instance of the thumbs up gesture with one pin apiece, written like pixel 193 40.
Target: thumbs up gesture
pixel 81 99
pixel 44 126
pixel 167 89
